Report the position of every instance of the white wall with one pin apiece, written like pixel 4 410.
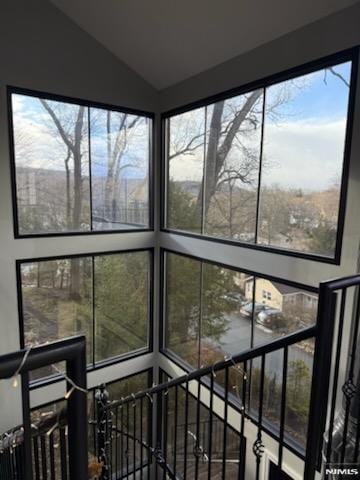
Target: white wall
pixel 42 49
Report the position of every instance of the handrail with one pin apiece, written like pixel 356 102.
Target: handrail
pixel 342 282
pixel 244 356
pixel 73 352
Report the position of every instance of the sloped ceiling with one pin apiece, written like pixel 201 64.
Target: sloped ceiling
pixel 167 41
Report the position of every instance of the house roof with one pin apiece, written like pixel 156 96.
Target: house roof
pixel 286 289
pixel 283 288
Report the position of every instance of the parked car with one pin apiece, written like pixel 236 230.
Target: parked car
pixel 272 318
pixel 235 297
pixel 248 309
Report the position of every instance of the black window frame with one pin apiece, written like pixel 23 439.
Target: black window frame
pixel 351 54
pixel 173 357
pixel 163 303
pixel 14 90
pixel 93 366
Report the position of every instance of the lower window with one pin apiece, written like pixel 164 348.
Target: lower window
pixel 212 312
pixel 106 297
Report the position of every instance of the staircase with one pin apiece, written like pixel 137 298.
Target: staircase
pixel 192 427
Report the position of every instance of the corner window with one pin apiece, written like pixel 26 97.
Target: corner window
pixel 212 311
pixel 78 168
pixel 105 297
pixel 266 167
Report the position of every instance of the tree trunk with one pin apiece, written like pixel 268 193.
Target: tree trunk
pixel 68 195
pixel 216 153
pixel 77 169
pixel 75 285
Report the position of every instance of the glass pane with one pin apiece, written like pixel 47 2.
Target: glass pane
pixel 185 157
pixel 303 160
pixel 298 393
pixel 281 309
pixel 224 329
pixel 232 166
pixel 127 386
pixel 57 302
pixel 121 303
pixel 204 436
pixel 52 165
pixel 123 447
pixel 119 170
pixel 182 307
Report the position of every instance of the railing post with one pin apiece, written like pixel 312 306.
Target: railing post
pixel 77 416
pixel 320 378
pixel 102 430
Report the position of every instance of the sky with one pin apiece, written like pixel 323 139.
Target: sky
pixel 38 144
pixel 304 142
pixel 306 133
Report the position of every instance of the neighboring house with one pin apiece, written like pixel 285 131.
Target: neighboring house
pixel 280 296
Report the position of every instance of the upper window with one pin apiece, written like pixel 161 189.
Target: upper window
pixel 78 168
pixel 264 167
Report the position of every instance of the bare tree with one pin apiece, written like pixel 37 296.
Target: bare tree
pixel 72 134
pixel 72 138
pixel 226 131
pixel 116 143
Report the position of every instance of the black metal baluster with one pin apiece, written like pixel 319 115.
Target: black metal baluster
pixel 18 456
pixel 186 428
pixel 357 438
pixel 197 441
pixel 226 400
pixel 134 440
pixel 52 456
pixel 283 407
pixel 357 442
pixel 258 447
pixel 149 433
pixel 165 417
pixel 109 441
pixel 175 426
pixel 116 441
pixel 122 440
pixel 349 389
pixel 36 458
pixel 141 438
pixel 12 463
pixel 127 438
pixel 63 455
pixel 242 459
pixel 211 393
pixel 43 457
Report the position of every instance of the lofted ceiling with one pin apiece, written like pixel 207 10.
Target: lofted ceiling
pixel 167 41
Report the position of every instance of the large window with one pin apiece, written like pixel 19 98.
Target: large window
pixel 212 311
pixel 266 167
pixel 78 167
pixel 107 297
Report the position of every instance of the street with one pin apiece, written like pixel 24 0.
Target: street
pixel 237 338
